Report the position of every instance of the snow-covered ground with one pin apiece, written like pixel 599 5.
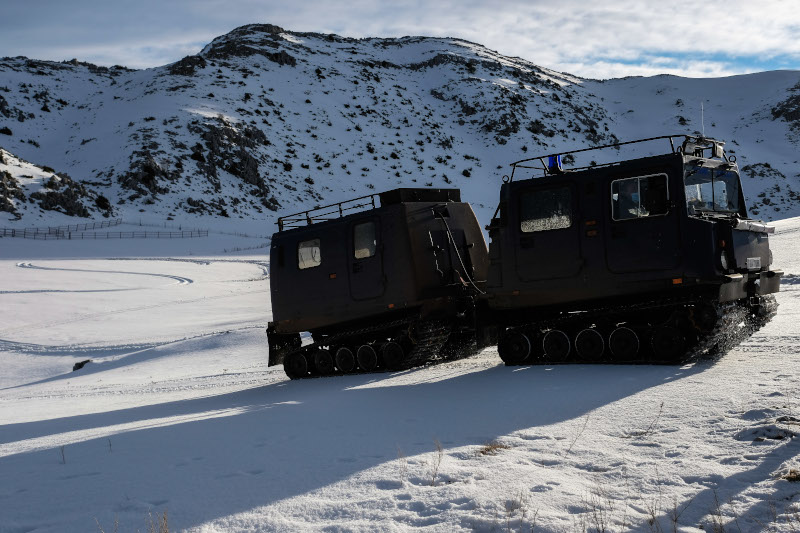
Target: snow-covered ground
pixel 178 413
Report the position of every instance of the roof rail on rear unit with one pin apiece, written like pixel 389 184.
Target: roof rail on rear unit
pixel 691 145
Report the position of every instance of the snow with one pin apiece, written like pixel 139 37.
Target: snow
pixel 178 413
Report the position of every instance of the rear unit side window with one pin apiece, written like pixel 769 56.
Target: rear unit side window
pixel 639 197
pixel 308 254
pixel 544 210
pixel 364 240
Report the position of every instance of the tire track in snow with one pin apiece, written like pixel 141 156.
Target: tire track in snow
pixel 88 316
pixel 263 265
pixel 40 291
pixel 180 279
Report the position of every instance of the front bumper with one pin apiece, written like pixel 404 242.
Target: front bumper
pixel 739 286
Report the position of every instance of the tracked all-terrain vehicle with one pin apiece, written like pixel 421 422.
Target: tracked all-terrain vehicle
pixel 647 260
pixel 380 282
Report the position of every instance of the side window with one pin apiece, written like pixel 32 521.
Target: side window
pixel 642 196
pixel 545 210
pixel 364 241
pixel 308 254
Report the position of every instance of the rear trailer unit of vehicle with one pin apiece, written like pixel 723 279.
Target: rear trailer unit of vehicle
pixel 380 282
pixel 647 260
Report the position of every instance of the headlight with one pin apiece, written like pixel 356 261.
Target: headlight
pixel 723 260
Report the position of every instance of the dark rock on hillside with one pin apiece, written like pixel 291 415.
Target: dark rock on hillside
pixel 789 109
pixel 5 109
pixel 442 59
pixel 245 41
pixel 251 40
pixel 211 207
pixel 282 58
pixel 94 69
pixel 9 190
pixel 255 29
pixel 67 200
pixel 226 148
pixel 147 175
pixel 187 66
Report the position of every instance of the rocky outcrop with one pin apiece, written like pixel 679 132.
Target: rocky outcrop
pixel 188 66
pixel 9 191
pixel 251 40
pixel 63 194
pixel 146 175
pixel 5 109
pixel 226 147
pixel 214 206
pixel 789 109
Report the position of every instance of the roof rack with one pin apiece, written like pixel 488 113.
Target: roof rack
pixel 338 210
pixel 691 144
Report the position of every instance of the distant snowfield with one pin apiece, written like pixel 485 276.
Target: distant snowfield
pixel 178 413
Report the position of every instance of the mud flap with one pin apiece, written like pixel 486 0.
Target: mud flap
pixel 733 288
pixel 769 282
pixel 280 344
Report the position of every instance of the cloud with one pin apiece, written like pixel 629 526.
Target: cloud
pixel 590 39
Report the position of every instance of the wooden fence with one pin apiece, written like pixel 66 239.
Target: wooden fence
pixel 79 232
pixel 35 233
pixel 84 235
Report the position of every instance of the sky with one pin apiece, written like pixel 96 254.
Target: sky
pixel 593 39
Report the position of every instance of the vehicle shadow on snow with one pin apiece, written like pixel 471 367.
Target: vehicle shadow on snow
pixel 251 448
pixel 711 504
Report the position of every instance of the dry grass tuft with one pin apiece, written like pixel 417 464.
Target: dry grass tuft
pixel 793 475
pixel 158 524
pixel 492 448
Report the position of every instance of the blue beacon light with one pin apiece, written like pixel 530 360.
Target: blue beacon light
pixel 554 164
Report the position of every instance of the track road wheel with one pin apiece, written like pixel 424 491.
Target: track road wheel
pixel 624 344
pixel 345 360
pixel 589 345
pixel 514 348
pixel 556 345
pixel 295 365
pixel 393 355
pixel 668 343
pixel 367 358
pixel 323 362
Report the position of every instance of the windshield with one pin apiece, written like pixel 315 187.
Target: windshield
pixel 712 190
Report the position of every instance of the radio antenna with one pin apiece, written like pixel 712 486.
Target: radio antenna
pixel 702 119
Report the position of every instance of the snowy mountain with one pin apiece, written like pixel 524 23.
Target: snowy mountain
pixel 265 121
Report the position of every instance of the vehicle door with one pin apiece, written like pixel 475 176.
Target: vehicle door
pixel 548 231
pixel 643 224
pixel 365 253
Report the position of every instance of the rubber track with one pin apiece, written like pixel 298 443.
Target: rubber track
pixel 431 337
pixel 734 329
pixel 728 333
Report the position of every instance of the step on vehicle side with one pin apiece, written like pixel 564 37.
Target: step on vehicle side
pixel 380 282
pixel 647 260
